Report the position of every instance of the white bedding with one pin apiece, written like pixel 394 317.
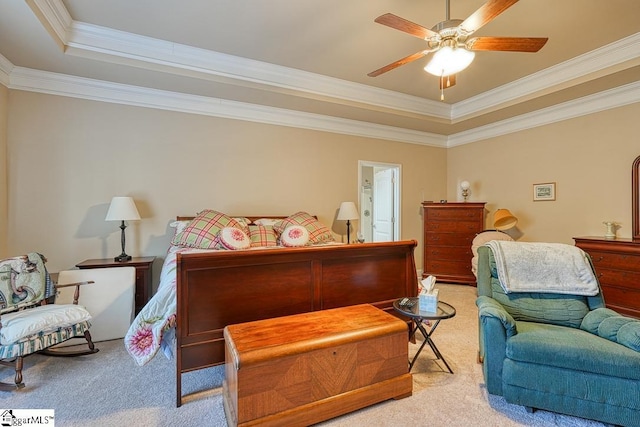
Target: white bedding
pixel 154 327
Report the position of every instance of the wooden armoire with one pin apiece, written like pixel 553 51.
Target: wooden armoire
pixel 449 229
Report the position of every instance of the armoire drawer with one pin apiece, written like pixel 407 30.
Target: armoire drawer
pixel 615 261
pixel 452 227
pixel 449 239
pixel 456 253
pixel 619 278
pixel 617 298
pixel 452 214
pixel 448 267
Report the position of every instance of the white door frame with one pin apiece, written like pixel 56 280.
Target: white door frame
pixel 397 192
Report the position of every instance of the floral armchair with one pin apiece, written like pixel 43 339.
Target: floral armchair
pixel 29 323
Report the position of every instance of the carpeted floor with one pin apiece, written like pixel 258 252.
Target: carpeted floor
pixel 108 389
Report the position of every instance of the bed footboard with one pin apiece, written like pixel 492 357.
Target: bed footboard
pixel 223 288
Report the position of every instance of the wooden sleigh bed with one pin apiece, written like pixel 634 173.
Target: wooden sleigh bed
pixel 228 287
pixel 202 291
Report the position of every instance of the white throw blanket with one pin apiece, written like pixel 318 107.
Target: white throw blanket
pixel 543 267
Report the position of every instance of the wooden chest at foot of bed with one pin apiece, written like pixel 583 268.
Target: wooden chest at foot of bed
pixel 302 369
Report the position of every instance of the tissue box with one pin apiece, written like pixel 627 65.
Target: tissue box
pixel 428 301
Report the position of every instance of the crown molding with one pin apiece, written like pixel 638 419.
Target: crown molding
pixel 82 39
pixel 96 90
pixel 605 100
pixel 55 17
pixel 5 71
pixel 88 40
pixel 608 56
pixel 92 41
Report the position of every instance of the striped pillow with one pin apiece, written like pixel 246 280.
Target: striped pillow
pixel 201 232
pixel 262 235
pixel 318 232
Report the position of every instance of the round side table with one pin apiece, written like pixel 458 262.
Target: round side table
pixel 409 307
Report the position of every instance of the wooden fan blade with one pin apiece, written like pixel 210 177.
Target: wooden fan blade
pixel 510 44
pixel 484 15
pixel 398 63
pixel 398 23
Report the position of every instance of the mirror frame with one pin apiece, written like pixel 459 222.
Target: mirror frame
pixel 635 199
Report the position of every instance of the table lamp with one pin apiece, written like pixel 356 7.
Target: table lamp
pixel 503 219
pixel 348 211
pixel 122 209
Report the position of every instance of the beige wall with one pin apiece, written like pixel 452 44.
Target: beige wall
pixel 4 101
pixel 68 157
pixel 588 157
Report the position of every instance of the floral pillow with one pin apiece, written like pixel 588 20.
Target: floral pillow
pixel 262 235
pixel 201 232
pixel 232 238
pixel 318 232
pixel 294 235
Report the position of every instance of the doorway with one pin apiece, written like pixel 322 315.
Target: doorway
pixel 379 196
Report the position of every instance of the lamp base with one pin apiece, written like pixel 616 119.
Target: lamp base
pixel 122 258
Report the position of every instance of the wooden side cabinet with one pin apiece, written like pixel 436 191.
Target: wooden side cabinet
pixel 143 274
pixel 449 229
pixel 617 264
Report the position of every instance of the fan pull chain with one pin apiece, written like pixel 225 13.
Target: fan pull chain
pixel 442 85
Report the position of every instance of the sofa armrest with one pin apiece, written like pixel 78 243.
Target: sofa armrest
pixel 484 272
pixel 495 326
pixel 488 307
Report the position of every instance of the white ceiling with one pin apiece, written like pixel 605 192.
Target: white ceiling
pixel 305 63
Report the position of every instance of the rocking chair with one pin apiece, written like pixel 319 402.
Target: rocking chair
pixel 28 324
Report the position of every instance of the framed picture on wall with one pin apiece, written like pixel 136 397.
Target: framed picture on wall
pixel 544 191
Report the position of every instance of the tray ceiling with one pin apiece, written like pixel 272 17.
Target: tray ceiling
pixel 305 63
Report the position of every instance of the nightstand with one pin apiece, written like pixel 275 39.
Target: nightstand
pixel 143 274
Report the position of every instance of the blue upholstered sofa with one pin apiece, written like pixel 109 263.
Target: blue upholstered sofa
pixel 561 353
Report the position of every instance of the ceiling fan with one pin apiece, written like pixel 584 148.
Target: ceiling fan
pixel 450 41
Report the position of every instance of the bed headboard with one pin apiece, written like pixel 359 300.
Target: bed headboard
pixel 251 218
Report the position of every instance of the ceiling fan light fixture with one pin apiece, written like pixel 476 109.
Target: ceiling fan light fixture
pixel 449 60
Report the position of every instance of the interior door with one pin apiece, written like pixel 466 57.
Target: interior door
pixel 366 216
pixel 383 220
